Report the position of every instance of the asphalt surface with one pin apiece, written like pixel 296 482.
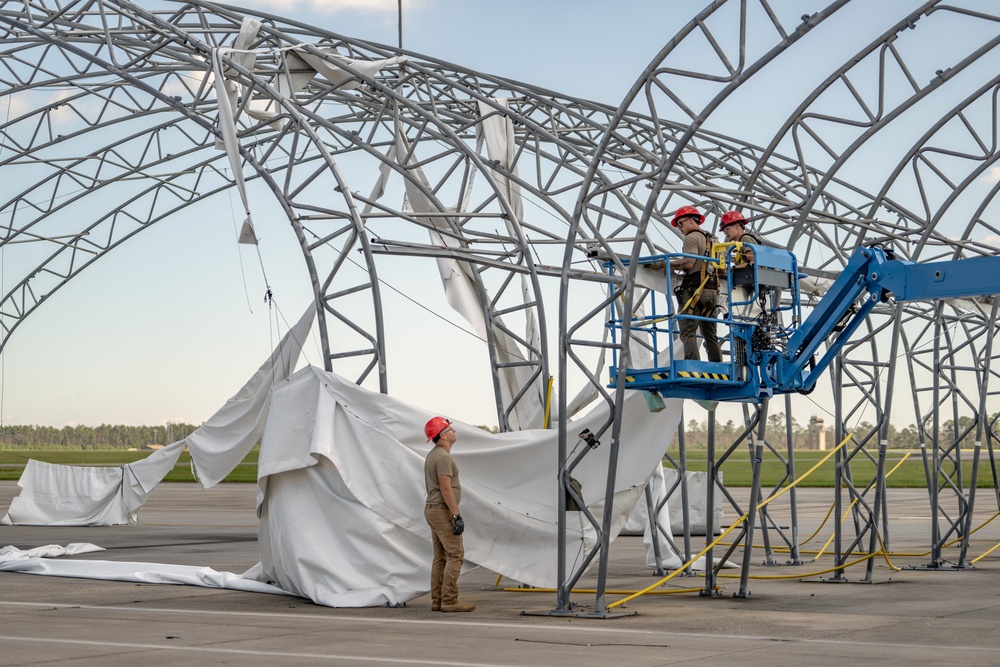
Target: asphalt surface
pixel 913 616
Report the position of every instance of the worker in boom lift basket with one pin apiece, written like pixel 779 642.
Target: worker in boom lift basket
pixel 698 290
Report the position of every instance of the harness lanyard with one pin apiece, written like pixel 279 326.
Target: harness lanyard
pixel 704 272
pixel 696 294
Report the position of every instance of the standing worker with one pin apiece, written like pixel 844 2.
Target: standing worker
pixel 444 493
pixel 698 291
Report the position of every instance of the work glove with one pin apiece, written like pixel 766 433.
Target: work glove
pixel 458 523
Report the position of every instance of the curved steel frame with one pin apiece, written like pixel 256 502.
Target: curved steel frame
pixel 112 107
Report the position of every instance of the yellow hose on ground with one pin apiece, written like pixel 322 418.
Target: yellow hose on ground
pixel 610 591
pixel 731 528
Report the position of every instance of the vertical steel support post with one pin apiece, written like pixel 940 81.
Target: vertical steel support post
pixel 981 427
pixel 932 488
pixel 879 506
pixel 654 530
pixel 794 511
pixel 838 472
pixel 600 607
pixel 712 474
pixel 685 498
pixel 757 459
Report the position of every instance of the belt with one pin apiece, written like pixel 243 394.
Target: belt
pixel 433 505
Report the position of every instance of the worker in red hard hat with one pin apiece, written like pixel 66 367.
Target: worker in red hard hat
pixel 734 226
pixel 747 304
pixel 444 493
pixel 698 290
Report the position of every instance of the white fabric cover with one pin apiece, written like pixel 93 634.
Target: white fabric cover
pixel 302 67
pixel 697 502
pixel 462 293
pixel 340 498
pixel 10 553
pixel 341 492
pixel 58 495
pixel 218 445
pixel 38 561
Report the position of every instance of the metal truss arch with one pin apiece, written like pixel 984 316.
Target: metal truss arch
pixel 374 154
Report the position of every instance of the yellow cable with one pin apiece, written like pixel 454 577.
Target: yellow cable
pixel 801 575
pixel 582 591
pixel 730 529
pixel 548 402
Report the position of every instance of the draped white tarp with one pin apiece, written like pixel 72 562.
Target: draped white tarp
pixel 462 293
pixel 341 492
pixel 340 497
pixel 39 561
pixel 697 483
pixel 59 495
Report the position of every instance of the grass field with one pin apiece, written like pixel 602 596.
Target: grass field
pixel 12 462
pixel 901 474
pixel 736 471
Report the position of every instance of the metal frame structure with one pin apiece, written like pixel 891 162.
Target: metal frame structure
pixel 114 108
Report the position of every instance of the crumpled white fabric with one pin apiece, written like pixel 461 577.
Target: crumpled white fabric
pixel 61 495
pixel 11 553
pixel 38 561
pixel 341 492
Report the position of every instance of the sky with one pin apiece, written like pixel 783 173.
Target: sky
pixel 168 327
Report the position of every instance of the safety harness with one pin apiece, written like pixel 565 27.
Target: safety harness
pixel 706 278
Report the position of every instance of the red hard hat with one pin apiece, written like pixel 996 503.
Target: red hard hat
pixel 687 210
pixel 434 426
pixel 732 218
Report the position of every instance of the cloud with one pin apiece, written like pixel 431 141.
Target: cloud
pixel 992 176
pixel 992 240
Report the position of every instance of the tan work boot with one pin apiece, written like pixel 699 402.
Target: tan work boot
pixel 435 605
pixel 458 605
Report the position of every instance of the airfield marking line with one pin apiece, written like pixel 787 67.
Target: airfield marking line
pixel 233 651
pixel 494 624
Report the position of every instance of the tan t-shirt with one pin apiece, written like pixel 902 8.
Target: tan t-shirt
pixel 440 462
pixel 694 244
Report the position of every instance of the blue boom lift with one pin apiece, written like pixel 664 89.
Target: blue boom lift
pixel 772 351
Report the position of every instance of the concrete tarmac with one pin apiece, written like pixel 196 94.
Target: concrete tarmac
pixel 902 617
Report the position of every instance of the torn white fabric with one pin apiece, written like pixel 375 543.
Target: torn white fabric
pixel 498 132
pixel 295 76
pixel 697 484
pixel 301 67
pixel 342 497
pixel 140 573
pixel 247 234
pixel 342 71
pixel 12 553
pixel 59 495
pixel 218 445
pixel 638 523
pixel 463 294
pixel 227 129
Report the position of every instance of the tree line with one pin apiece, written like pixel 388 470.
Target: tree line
pixel 120 436
pixel 696 433
pixel 105 436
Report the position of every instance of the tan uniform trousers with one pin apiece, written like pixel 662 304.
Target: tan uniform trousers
pixel 449 554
